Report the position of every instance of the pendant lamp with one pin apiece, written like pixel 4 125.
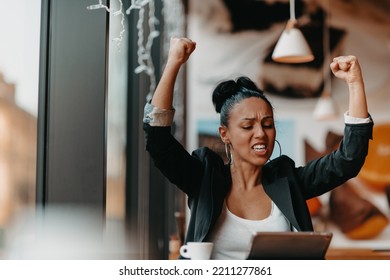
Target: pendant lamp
pixel 325 108
pixel 292 46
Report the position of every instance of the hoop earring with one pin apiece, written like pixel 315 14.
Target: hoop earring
pixel 280 147
pixel 228 154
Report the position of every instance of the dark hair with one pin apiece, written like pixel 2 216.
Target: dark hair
pixel 230 92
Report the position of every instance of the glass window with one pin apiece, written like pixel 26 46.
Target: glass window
pixel 19 74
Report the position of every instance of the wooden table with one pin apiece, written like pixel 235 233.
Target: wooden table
pixel 357 254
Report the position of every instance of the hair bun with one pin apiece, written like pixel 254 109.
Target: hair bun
pixel 247 83
pixel 222 92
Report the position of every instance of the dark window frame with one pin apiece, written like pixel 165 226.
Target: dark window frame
pixel 72 114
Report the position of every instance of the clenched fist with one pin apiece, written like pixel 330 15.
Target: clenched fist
pixel 347 68
pixel 180 50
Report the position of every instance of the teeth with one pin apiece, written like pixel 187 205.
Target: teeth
pixel 259 147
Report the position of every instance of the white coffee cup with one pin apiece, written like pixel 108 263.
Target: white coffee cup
pixel 197 250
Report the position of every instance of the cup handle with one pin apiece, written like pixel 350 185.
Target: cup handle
pixel 184 251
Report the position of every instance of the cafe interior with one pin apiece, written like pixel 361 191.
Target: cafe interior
pixel 75 179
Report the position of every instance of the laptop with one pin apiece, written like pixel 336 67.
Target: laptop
pixel 289 245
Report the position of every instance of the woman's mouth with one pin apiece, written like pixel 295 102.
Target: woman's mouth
pixel 260 149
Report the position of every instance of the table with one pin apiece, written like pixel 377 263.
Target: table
pixel 357 254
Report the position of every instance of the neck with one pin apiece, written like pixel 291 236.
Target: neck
pixel 245 176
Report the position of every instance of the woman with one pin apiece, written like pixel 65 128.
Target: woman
pixel 229 202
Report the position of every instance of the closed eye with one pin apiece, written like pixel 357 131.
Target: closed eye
pixel 268 125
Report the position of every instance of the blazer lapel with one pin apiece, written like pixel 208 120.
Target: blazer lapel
pixel 279 191
pixel 211 200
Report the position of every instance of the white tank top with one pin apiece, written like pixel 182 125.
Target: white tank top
pixel 232 235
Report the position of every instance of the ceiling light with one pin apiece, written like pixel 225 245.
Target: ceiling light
pixel 292 46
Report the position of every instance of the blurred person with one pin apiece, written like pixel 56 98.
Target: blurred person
pixel 250 193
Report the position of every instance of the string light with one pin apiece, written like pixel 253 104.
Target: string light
pixel 119 12
pixel 145 62
pixel 174 26
pixel 137 4
pixel 99 6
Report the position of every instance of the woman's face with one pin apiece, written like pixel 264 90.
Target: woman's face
pixel 251 132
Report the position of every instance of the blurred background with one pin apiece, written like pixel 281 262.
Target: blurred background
pixel 75 181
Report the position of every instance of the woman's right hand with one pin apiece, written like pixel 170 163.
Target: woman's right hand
pixel 180 50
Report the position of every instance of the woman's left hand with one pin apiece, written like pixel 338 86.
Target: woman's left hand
pixel 347 68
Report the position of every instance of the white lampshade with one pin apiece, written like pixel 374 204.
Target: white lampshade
pixel 292 47
pixel 325 109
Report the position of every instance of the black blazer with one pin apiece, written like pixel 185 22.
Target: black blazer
pixel 206 180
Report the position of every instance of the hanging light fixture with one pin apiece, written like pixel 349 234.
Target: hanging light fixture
pixel 292 46
pixel 326 108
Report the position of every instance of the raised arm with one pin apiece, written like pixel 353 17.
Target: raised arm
pixel 168 154
pixel 348 69
pixel 179 51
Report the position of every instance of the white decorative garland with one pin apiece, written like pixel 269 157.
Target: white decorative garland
pixel 174 24
pixel 145 63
